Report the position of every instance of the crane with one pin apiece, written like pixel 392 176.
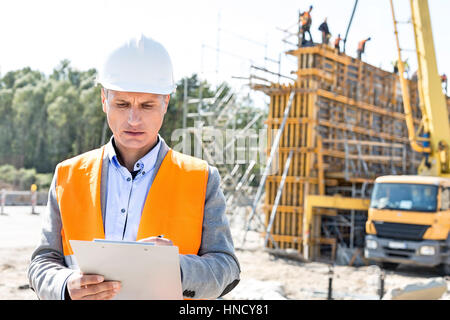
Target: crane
pixel 435 125
pixel 409 216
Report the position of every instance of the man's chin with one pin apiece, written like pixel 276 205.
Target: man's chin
pixel 132 144
pixel 135 142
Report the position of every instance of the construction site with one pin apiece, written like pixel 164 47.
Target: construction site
pixel 300 214
pixel 334 128
pixel 339 125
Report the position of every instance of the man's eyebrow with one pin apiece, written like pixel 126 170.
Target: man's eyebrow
pixel 149 101
pixel 120 100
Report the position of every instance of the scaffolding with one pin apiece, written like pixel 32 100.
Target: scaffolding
pixel 346 127
pixel 208 126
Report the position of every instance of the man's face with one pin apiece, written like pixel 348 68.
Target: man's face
pixel 134 117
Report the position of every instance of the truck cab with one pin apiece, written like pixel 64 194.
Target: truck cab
pixel 409 222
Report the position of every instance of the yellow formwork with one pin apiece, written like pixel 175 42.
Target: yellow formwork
pixel 319 201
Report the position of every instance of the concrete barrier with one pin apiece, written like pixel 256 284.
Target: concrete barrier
pixel 22 198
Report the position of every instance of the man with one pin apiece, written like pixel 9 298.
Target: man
pixel 426 144
pixel 395 64
pixel 135 188
pixel 337 43
pixel 444 82
pixel 305 25
pixel 405 67
pixel 325 31
pixel 362 47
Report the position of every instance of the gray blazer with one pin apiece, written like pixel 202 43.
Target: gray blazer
pixel 208 275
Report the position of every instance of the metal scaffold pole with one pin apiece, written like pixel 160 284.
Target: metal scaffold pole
pixel 273 151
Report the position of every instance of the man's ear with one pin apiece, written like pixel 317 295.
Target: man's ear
pixel 103 100
pixel 166 102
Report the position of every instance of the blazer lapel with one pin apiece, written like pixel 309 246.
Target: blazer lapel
pixel 104 185
pixel 164 148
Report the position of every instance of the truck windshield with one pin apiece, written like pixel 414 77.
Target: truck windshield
pixel 402 196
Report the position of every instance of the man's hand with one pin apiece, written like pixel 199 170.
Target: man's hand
pixel 91 287
pixel 159 241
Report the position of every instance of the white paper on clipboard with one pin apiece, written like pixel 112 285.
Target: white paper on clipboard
pixel 146 272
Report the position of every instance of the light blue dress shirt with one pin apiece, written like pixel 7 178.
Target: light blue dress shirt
pixel 125 196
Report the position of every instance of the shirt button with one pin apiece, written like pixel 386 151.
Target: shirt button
pixel 128 179
pixel 123 210
pixel 137 165
pixel 143 172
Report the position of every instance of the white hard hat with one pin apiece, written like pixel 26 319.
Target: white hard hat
pixel 140 65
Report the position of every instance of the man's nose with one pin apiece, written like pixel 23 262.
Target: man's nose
pixel 134 116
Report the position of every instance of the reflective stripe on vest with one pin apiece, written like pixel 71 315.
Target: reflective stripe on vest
pixel 174 205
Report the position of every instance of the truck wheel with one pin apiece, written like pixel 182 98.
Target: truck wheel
pixel 444 269
pixel 388 265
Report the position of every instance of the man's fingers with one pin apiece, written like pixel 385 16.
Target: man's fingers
pixel 88 279
pixel 91 286
pixel 158 241
pixel 104 295
pixel 101 287
pixel 149 239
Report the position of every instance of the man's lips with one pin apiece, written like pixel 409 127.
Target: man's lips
pixel 134 133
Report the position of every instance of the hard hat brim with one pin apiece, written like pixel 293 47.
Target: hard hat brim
pixel 133 87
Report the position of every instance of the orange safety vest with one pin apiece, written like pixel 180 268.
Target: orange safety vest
pixel 174 205
pixel 305 18
pixel 336 42
pixel 361 45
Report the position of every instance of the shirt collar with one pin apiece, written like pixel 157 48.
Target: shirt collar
pixel 147 162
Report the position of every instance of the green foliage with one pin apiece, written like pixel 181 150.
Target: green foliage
pixel 43 180
pixel 8 173
pixel 45 120
pixel 22 179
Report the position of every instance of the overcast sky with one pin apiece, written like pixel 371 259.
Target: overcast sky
pixel 41 33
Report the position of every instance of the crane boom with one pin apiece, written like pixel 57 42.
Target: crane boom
pixel 430 82
pixel 408 217
pixel 434 107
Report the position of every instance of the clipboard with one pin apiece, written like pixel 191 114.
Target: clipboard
pixel 146 271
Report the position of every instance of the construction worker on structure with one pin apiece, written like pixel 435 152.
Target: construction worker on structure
pixel 405 67
pixel 337 43
pixel 444 82
pixel 305 25
pixel 326 35
pixel 135 188
pixel 362 47
pixel 426 144
pixel 395 65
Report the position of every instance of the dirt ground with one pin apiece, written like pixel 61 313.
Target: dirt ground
pixel 19 234
pixel 263 275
